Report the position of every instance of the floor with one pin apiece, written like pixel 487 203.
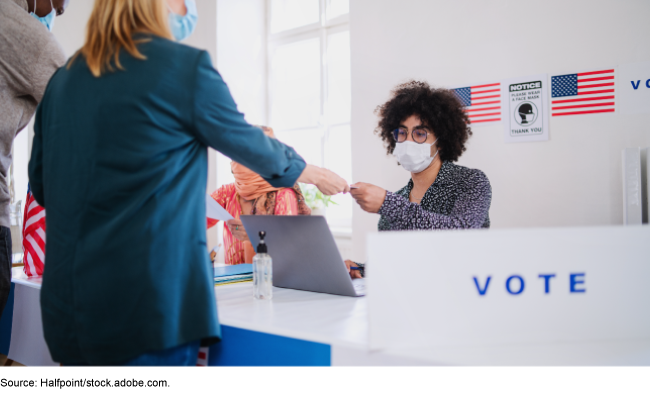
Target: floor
pixel 3 360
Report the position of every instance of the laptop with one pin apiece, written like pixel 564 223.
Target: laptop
pixel 305 256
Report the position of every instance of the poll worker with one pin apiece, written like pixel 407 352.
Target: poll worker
pixel 250 194
pixel 426 130
pixel 29 55
pixel 119 161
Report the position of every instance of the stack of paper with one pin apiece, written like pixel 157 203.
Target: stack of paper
pixel 233 274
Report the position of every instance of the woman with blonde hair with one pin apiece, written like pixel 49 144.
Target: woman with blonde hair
pixel 119 161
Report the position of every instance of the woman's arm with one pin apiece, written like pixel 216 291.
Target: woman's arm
pixel 469 211
pixel 36 161
pixel 217 123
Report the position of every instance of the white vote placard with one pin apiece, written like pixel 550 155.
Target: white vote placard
pixel 528 286
pixel 635 88
pixel 525 108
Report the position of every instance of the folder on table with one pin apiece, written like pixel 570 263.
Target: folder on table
pixel 233 274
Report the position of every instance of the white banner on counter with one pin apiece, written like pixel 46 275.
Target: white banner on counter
pixel 525 108
pixel 635 88
pixel 523 286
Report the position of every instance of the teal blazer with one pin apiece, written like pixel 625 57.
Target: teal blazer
pixel 120 164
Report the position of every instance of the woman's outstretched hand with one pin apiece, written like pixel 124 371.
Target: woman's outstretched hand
pixel 369 197
pixel 325 180
pixel 237 230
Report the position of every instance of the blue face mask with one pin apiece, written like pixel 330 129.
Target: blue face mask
pixel 183 26
pixel 47 20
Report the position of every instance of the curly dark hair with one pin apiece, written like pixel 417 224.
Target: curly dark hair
pixel 438 109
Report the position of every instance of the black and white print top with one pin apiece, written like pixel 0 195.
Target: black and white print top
pixel 459 198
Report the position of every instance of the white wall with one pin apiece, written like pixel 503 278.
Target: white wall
pixel 70 28
pixel 574 178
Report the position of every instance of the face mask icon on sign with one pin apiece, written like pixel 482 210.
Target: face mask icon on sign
pixel 526 114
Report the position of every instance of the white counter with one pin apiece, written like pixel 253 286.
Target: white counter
pixel 342 323
pixel 316 317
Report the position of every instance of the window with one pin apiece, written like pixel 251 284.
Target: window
pixel 308 82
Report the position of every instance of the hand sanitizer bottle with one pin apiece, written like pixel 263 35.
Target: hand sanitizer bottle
pixel 262 271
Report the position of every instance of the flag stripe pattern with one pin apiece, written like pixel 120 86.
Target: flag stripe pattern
pixel 482 102
pixel 583 93
pixel 202 360
pixel 33 237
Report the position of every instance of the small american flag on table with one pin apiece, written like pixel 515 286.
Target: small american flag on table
pixel 202 359
pixel 583 93
pixel 33 237
pixel 482 102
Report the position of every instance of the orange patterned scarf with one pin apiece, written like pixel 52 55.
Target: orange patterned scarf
pixel 251 186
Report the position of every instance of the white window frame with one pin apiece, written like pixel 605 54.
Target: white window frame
pixel 321 29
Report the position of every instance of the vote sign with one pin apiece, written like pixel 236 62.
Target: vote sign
pixel 480 287
pixel 635 91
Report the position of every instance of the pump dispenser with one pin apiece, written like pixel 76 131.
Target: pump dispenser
pixel 262 271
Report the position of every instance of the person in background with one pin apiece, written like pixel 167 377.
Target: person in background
pixel 426 129
pixel 252 195
pixel 29 55
pixel 119 160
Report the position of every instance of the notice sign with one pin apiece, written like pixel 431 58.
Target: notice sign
pixel 527 118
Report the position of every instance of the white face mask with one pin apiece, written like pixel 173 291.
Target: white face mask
pixel 414 157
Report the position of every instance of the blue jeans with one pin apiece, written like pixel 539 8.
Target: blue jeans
pixel 183 355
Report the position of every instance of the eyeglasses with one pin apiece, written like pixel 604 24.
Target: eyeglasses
pixel 419 134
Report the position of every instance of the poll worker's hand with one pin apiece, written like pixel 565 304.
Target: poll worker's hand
pixel 369 197
pixel 325 180
pixel 237 229
pixel 354 274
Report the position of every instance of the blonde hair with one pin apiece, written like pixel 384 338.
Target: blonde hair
pixel 111 27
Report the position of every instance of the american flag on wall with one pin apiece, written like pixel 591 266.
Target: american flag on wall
pixel 33 237
pixel 482 102
pixel 583 93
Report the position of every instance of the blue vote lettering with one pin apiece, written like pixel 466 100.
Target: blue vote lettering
pixel 521 284
pixel 574 281
pixel 547 282
pixel 638 82
pixel 484 289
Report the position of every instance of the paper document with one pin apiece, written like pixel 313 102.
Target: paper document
pixel 215 211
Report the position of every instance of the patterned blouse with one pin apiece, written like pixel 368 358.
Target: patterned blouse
pixel 459 198
pixel 286 204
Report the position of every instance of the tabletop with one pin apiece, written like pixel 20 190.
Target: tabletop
pixel 316 317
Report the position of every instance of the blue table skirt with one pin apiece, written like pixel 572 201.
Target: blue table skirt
pixel 241 347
